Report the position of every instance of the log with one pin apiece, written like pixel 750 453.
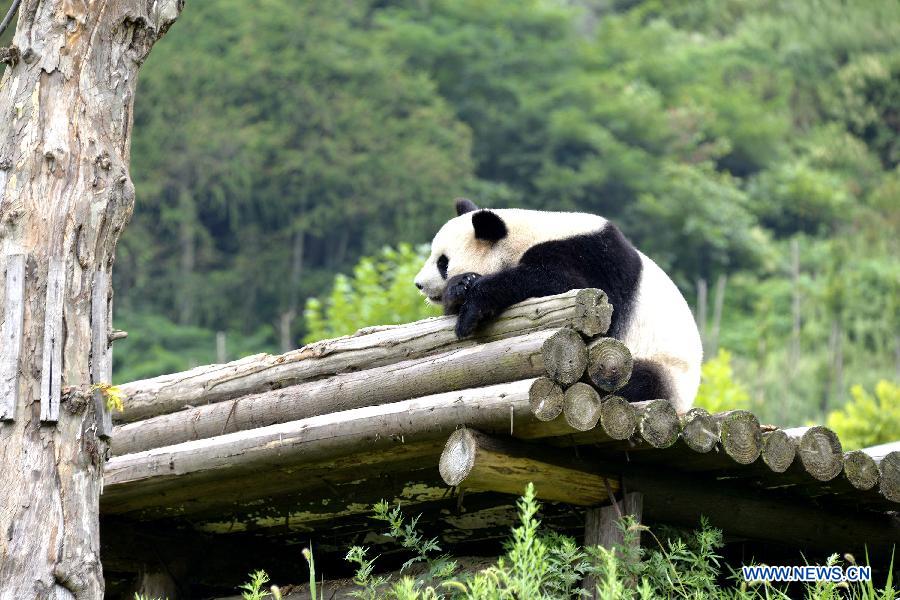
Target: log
pixel 585 311
pixel 680 499
pixel 699 430
pixel 740 435
pixel 658 423
pixel 179 473
pixel 778 451
pixel 861 470
pixel 546 399
pixel 581 407
pixel 503 360
pixel 475 461
pixel 618 418
pixel 609 364
pixel 887 457
pixel 819 450
pixel 565 357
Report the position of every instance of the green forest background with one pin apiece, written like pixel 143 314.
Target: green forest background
pixel 750 147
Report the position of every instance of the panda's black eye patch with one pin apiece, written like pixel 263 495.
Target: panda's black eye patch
pixel 442 263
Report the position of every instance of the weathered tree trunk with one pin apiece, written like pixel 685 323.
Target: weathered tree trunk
pixel 65 195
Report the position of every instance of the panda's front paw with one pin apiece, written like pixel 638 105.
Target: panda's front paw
pixel 473 312
pixel 457 291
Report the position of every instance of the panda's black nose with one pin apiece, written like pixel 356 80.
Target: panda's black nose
pixel 419 285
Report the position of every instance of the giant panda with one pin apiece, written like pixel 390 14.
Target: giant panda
pixel 483 261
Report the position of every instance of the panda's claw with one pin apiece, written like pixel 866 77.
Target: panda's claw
pixel 457 291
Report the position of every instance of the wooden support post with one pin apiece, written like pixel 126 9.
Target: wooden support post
pixel 11 336
pixel 473 460
pixel 602 528
pixel 609 364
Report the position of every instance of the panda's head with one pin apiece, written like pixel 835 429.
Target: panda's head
pixel 472 242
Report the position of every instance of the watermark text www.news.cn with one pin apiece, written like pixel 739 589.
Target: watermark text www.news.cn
pixel 807 573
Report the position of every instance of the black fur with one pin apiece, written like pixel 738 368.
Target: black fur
pixel 464 205
pixel 488 226
pixel 605 260
pixel 457 289
pixel 648 382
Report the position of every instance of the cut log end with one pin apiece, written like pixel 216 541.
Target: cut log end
pixel 581 407
pixel 889 470
pixel 740 435
pixel 458 457
pixel 778 451
pixel 819 450
pixel 861 470
pixel 593 312
pixel 546 399
pixel 565 357
pixel 658 423
pixel 699 431
pixel 618 418
pixel 609 364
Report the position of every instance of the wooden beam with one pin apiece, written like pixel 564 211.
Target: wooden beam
pixel 861 470
pixel 581 407
pixel 565 357
pixel 609 364
pixel 586 311
pixel 740 435
pixel 546 398
pixel 742 511
pixel 699 430
pixel 11 335
pixel 819 451
pixel 472 460
pixel 887 457
pixel 509 359
pixel 152 478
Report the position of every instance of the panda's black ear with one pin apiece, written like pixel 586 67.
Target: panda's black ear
pixel 488 226
pixel 464 205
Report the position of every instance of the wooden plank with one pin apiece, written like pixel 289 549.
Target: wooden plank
pixel 51 368
pixel 583 310
pixel 101 356
pixel 503 360
pixel 11 335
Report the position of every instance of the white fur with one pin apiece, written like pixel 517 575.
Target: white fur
pixel 661 328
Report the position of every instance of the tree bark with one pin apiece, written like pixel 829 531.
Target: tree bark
pixel 65 196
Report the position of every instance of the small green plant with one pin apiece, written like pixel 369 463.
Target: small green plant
pixel 541 565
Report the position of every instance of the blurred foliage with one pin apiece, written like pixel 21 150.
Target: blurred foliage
pixel 718 389
pixel 868 420
pixel 378 293
pixel 276 143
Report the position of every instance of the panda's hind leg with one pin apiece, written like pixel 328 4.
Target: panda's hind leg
pixel 649 381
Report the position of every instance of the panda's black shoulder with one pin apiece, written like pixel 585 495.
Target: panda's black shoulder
pixel 603 259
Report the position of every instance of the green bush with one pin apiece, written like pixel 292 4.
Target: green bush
pixel 547 566
pixel 868 420
pixel 718 389
pixel 380 292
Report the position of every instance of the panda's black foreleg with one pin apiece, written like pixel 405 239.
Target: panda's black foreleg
pixel 456 291
pixel 485 297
